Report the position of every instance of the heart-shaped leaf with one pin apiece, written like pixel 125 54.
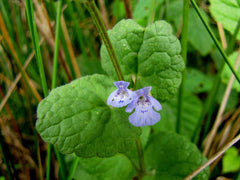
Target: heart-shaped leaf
pixel 150 55
pixel 172 156
pixel 75 118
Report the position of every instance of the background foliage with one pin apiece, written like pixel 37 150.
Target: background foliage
pixel 24 155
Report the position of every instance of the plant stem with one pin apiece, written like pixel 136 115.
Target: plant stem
pixel 55 59
pixel 48 166
pixel 54 78
pixel 73 168
pixel 61 163
pixel 209 105
pixel 215 40
pixel 128 9
pixel 33 31
pixel 132 162
pixel 184 55
pixel 92 8
pixel 142 166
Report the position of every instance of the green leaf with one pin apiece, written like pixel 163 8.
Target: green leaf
pixel 192 108
pixel 118 10
pixel 117 167
pixel 75 118
pixel 232 99
pixel 89 66
pixel 126 38
pixel 172 156
pixel 152 55
pixel 174 12
pixel 226 74
pixel 144 10
pixel 197 33
pixel 231 160
pixel 197 82
pixel 227 13
pixel 160 64
pixel 198 36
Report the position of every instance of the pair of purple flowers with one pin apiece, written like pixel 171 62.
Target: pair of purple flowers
pixel 143 103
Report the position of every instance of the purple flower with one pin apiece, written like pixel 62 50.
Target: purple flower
pixel 143 103
pixel 122 96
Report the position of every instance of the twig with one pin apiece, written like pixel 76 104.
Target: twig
pixel 218 120
pixel 11 47
pixel 233 130
pixel 70 48
pixel 51 38
pixel 48 20
pixel 13 85
pixel 212 159
pixel 51 43
pixel 236 127
pixel 222 35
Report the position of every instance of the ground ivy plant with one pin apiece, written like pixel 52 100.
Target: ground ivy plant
pixel 99 116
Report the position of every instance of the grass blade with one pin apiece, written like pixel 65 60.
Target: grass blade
pixel 215 41
pixel 34 35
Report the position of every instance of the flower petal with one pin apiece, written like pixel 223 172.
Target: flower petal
pixel 131 106
pixel 121 84
pixel 144 118
pixel 120 98
pixel 155 103
pixel 147 90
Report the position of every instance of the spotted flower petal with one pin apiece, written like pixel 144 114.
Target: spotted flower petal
pixel 122 96
pixel 143 103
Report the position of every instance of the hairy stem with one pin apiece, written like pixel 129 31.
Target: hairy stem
pixel 92 8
